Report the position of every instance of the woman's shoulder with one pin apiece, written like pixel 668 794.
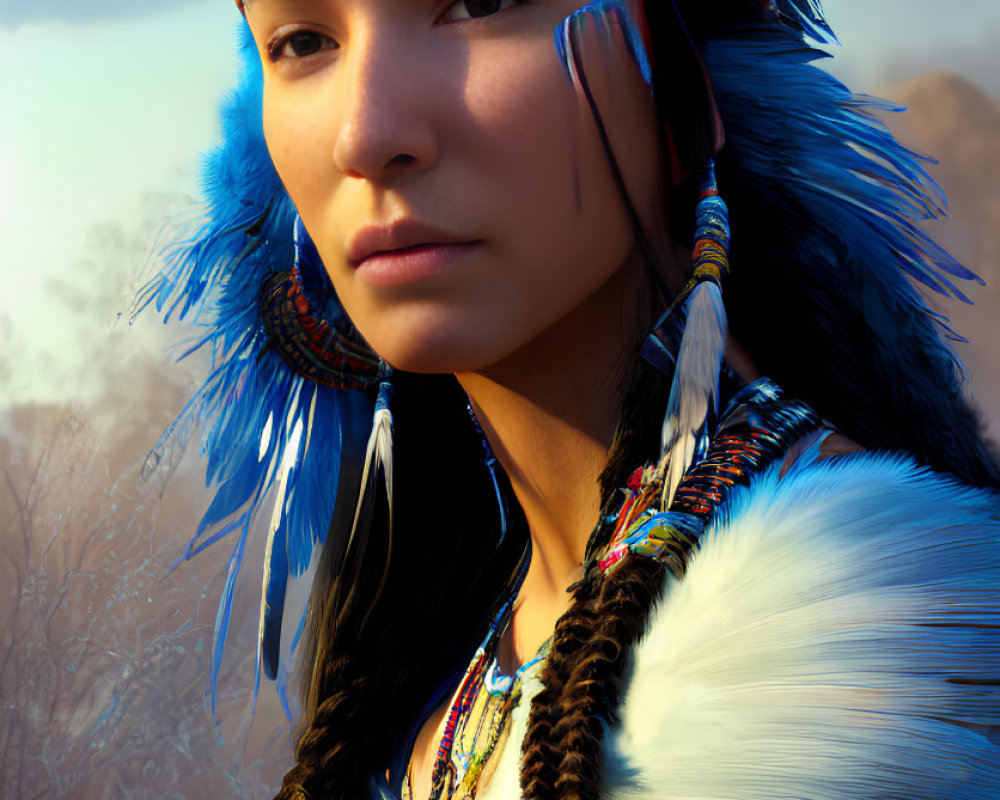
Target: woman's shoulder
pixel 837 632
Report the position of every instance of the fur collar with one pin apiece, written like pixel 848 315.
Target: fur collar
pixel 837 637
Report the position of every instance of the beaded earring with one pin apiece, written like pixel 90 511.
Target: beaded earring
pixel 694 392
pixel 306 325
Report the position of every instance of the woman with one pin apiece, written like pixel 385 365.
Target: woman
pixel 585 548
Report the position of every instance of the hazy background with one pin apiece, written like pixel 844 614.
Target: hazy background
pixel 104 108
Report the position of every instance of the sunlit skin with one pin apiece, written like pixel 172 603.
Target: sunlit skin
pixel 377 111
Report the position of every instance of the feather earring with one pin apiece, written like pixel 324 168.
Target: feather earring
pixel 304 324
pixel 694 393
pixel 378 459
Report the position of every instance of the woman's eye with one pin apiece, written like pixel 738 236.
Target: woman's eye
pixel 472 9
pixel 300 44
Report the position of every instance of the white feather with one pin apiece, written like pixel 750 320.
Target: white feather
pixel 377 456
pixel 297 593
pixel 288 462
pixel 312 419
pixel 695 385
pixel 265 437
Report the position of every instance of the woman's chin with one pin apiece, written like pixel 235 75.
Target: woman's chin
pixel 430 359
pixel 438 344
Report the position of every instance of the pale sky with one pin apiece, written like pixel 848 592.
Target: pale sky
pixel 106 104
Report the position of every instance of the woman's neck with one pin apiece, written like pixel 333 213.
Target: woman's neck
pixel 549 412
pixel 553 460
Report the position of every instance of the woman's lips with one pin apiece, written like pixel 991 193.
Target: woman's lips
pixel 410 264
pixel 404 251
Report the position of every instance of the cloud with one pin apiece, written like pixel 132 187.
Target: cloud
pixel 26 12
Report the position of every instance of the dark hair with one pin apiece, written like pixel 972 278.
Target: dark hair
pixel 377 655
pixel 885 378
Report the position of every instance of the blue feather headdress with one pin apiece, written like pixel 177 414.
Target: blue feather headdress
pixel 799 146
pixel 270 435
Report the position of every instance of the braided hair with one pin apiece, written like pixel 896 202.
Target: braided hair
pixel 582 679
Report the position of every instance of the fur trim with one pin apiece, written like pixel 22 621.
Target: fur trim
pixel 837 637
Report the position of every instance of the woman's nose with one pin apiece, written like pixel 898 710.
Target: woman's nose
pixel 386 128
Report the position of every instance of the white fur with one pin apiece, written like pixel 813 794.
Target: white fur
pixel 810 651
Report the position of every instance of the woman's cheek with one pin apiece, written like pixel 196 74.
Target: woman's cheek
pixel 295 137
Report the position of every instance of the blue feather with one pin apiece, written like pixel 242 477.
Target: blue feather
pixel 614 20
pixel 251 402
pixel 274 606
pixel 224 614
pixel 801 128
pixel 808 16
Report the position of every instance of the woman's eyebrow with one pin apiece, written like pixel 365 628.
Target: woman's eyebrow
pixel 244 3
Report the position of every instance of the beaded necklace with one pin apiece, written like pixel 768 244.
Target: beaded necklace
pixel 476 721
pixel 757 428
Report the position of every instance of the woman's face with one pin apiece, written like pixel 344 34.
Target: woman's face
pixel 451 177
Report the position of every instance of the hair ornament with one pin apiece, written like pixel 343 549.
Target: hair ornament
pixel 759 426
pixel 378 462
pixel 618 20
pixel 311 341
pixel 693 403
